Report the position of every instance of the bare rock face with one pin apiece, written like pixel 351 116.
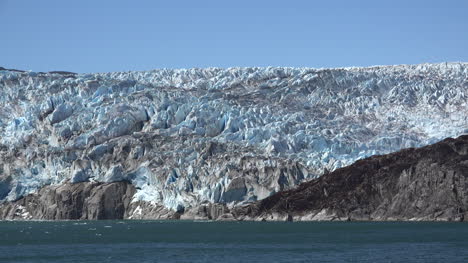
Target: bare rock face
pixel 429 183
pixel 72 201
pixel 208 211
pixel 150 211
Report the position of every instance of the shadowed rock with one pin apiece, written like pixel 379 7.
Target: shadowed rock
pixel 72 201
pixel 62 72
pixel 10 69
pixel 429 183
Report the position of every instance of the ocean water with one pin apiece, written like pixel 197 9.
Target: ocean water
pixel 186 241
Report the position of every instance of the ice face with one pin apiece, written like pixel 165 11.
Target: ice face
pixel 186 136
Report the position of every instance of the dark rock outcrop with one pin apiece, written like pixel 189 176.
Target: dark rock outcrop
pixel 72 201
pixel 429 183
pixel 60 72
pixel 11 69
pixel 209 211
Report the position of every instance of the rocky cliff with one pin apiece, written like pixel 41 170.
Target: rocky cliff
pixel 429 183
pixel 72 201
pixel 200 141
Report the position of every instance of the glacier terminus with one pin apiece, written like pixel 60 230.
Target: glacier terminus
pixel 190 137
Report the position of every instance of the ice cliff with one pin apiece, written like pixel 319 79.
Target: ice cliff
pixel 192 136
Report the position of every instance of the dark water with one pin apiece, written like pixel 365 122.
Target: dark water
pixel 179 241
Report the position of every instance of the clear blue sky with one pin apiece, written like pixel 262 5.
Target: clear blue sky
pixel 101 36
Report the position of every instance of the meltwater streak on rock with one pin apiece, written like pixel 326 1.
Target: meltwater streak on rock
pixel 184 138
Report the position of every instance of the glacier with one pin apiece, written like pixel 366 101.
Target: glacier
pixel 184 137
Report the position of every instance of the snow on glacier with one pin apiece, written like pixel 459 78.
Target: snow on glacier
pixel 320 118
